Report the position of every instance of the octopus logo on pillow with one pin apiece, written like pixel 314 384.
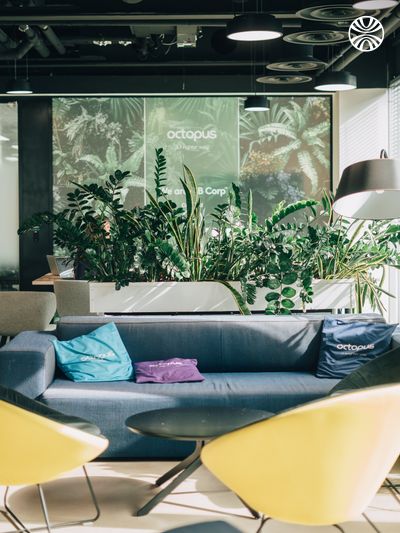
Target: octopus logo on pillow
pixel 175 370
pixel 99 356
pixel 346 345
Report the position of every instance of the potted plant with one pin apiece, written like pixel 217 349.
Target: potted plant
pixel 167 258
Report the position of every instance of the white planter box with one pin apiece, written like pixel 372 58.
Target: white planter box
pixel 202 297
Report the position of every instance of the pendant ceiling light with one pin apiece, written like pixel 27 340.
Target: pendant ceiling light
pixel 254 27
pixel 257 102
pixel 370 190
pixel 19 86
pixel 334 80
pixel 375 4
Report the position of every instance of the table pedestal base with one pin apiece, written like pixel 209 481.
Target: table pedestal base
pixel 179 473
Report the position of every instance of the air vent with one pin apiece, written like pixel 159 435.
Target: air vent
pixel 318 36
pixel 285 79
pixel 334 13
pixel 296 65
pixel 293 58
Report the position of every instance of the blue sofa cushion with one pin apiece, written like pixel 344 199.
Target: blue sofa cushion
pixel 97 356
pixel 110 404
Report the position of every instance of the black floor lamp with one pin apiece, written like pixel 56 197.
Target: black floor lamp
pixel 370 190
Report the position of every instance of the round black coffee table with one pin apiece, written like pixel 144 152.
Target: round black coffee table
pixel 198 424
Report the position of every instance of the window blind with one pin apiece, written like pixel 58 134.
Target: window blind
pixel 394 118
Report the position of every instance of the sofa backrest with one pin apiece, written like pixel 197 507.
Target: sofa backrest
pixel 253 343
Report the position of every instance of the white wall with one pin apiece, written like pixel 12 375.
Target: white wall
pixel 363 131
pixel 363 125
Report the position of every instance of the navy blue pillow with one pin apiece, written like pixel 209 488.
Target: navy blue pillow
pixel 346 345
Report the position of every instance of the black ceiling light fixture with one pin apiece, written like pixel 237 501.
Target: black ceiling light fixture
pixel 19 86
pixel 256 26
pixel 257 102
pixel 336 80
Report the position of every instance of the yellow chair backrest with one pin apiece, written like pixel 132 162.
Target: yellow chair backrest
pixel 34 449
pixel 318 464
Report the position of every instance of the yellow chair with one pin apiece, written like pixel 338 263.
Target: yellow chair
pixel 37 444
pixel 318 464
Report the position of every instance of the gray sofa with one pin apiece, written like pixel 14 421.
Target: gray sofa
pixel 262 362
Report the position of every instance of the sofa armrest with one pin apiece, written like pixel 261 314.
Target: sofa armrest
pixel 27 363
pixel 396 338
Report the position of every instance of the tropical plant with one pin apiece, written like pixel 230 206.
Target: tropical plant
pixel 305 140
pixel 94 230
pixel 166 242
pixel 359 250
pixel 94 136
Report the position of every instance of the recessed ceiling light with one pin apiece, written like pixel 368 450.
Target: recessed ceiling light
pixel 320 34
pixel 14 146
pixel 254 27
pixel 330 13
pixel 375 4
pixel 285 78
pixel 257 102
pixel 11 158
pixel 336 81
pixel 295 58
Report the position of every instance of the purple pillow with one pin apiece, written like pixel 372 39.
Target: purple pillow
pixel 175 370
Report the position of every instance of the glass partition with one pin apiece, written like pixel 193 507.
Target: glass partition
pixel 281 154
pixel 9 242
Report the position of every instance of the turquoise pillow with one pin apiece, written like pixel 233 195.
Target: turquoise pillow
pixel 98 356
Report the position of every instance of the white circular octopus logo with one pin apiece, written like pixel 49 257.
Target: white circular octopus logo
pixel 366 33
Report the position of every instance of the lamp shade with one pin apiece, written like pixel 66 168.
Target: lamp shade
pixel 370 190
pixel 257 102
pixel 19 86
pixel 254 27
pixel 332 80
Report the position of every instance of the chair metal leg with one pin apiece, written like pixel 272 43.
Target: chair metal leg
pixel 23 529
pixel 264 520
pixel 12 517
pixel 44 508
pixel 393 489
pixel 338 527
pixel 371 523
pixel 255 514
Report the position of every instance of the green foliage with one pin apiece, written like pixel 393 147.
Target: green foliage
pixel 164 242
pixel 359 250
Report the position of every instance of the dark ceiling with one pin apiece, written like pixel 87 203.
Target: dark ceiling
pixel 67 39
